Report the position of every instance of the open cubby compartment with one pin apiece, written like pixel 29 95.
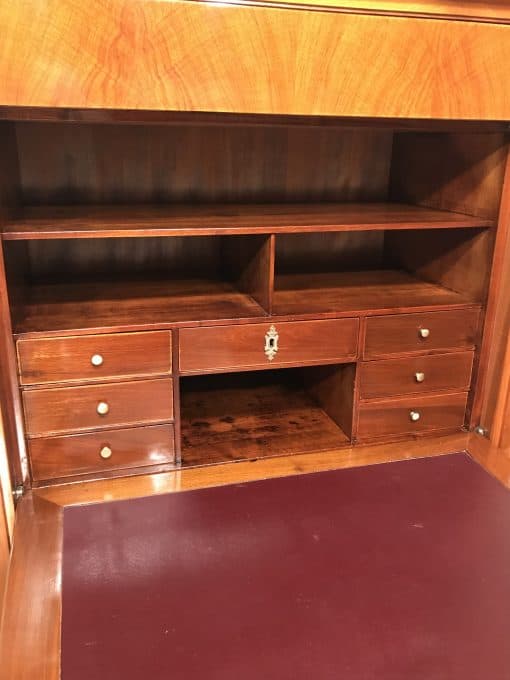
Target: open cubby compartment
pixel 381 271
pixel 259 414
pixel 122 284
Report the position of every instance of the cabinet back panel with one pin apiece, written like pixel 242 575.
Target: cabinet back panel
pixel 97 163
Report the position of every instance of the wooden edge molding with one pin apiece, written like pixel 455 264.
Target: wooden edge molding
pixel 30 626
pixel 489 12
pixel 100 491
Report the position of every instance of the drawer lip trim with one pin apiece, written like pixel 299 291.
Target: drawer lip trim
pixel 52 434
pixel 390 399
pixel 243 368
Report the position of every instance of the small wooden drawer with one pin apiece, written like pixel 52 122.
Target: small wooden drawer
pixel 90 407
pixel 267 345
pixel 94 357
pixel 78 454
pixel 414 375
pixel 413 333
pixel 406 415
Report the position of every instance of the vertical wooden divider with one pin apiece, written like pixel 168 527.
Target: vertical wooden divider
pixel 248 261
pixel 11 412
pixel 176 395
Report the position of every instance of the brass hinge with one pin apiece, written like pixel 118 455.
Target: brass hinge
pixel 17 493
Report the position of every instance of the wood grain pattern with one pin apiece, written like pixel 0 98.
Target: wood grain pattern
pixel 239 419
pixel 392 416
pixel 393 377
pixel 62 410
pixel 400 334
pixel 69 359
pixel 66 165
pixel 92 221
pixel 240 347
pixel 249 263
pixel 32 614
pixel 136 58
pixel 69 456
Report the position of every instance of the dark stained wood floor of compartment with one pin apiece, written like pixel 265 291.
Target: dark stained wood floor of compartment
pixel 398 571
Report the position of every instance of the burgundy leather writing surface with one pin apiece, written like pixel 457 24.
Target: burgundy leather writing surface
pixel 391 572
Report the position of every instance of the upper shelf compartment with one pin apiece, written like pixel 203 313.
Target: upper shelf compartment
pixel 86 221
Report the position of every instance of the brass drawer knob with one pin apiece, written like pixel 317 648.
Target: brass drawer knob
pixel 102 408
pixel 415 416
pixel 96 360
pixel 424 333
pixel 419 376
pixel 105 452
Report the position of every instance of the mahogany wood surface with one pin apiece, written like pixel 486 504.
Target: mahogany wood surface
pixel 70 359
pixel 238 417
pixel 233 161
pixel 72 409
pixel 239 347
pixel 93 221
pixel 131 305
pixel 401 334
pixel 54 457
pixel 136 58
pixel 10 407
pixel 392 416
pixel 392 377
pixel 30 628
pixel 358 291
pixel 250 263
pixel 367 573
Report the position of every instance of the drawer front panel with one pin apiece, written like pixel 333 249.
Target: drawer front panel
pixel 94 357
pixel 77 454
pixel 411 414
pixel 430 331
pixel 415 375
pixel 251 346
pixel 71 409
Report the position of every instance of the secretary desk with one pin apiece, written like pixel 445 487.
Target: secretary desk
pixel 238 232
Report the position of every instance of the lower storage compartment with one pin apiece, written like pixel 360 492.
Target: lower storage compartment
pixel 408 415
pixel 261 414
pixel 55 457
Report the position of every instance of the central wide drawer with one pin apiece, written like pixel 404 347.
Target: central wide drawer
pixel 89 407
pixel 405 415
pixel 94 357
pixel 77 454
pixel 267 345
pixel 422 332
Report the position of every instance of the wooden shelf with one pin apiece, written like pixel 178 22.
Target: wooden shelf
pixel 92 221
pixel 130 305
pixel 137 305
pixel 364 292
pixel 252 417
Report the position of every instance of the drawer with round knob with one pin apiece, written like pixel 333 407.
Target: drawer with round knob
pixel 94 357
pixel 267 345
pixel 415 375
pixel 424 332
pixel 61 410
pixel 407 415
pixel 97 452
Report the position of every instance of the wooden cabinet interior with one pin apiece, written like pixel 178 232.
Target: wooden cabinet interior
pixel 268 228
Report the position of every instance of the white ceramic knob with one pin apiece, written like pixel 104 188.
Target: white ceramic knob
pixel 424 332
pixel 415 416
pixel 96 360
pixel 419 376
pixel 106 452
pixel 102 408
